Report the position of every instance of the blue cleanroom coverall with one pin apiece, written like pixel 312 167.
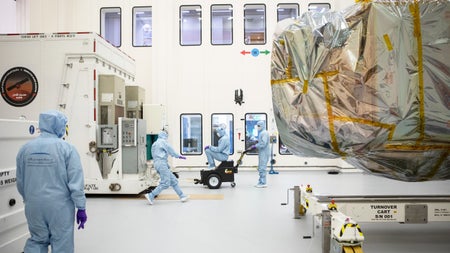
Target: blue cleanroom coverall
pixel 50 180
pixel 161 150
pixel 221 152
pixel 263 152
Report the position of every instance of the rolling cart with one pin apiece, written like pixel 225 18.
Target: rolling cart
pixel 222 173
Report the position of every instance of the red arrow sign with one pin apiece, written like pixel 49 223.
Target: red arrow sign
pixel 243 52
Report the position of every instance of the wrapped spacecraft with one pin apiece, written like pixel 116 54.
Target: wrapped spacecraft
pixel 370 84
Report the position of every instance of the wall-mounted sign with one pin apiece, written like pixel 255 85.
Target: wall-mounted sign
pixel 19 86
pixel 255 52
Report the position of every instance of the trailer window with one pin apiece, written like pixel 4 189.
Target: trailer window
pixel 251 133
pixel 110 25
pixel 142 26
pixel 190 25
pixel 226 121
pixel 255 24
pixel 285 11
pixel 191 134
pixel 319 7
pixel 222 24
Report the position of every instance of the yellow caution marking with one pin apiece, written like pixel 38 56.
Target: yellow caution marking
pixel 301 210
pixel 332 205
pixel 358 249
pixel 352 249
pixel 348 225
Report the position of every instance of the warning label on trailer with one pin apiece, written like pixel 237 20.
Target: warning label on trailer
pixel 7 177
pixel 384 212
pixel 442 212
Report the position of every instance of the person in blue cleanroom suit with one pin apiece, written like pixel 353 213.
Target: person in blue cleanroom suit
pixel 50 180
pixel 161 150
pixel 221 152
pixel 263 153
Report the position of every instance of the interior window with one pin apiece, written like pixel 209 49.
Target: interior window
pixel 190 25
pixel 254 24
pixel 251 133
pixel 191 134
pixel 226 121
pixel 110 25
pixel 142 27
pixel 222 24
pixel 319 7
pixel 287 11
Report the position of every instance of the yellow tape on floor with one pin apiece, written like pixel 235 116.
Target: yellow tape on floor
pixel 191 197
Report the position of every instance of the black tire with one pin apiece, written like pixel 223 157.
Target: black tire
pixel 233 184
pixel 214 181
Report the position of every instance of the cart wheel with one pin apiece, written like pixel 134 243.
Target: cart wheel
pixel 214 181
pixel 233 184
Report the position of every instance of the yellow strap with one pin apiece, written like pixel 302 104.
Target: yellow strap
pixel 334 142
pixel 388 43
pixel 305 86
pixel 415 12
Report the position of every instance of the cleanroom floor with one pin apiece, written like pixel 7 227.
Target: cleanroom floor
pixel 250 219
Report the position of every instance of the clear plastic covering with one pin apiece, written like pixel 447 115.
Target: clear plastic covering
pixel 370 84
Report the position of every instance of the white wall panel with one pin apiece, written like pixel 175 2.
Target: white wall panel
pixel 8 22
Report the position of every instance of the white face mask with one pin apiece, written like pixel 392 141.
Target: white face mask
pixel 258 128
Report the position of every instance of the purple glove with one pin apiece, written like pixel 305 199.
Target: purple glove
pixel 253 147
pixel 206 147
pixel 81 218
pixel 182 157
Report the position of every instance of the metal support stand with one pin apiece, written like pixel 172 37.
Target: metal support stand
pixel 326 231
pixel 298 209
pixel 272 161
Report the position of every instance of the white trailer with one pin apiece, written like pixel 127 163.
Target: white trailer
pixel 13 225
pixel 86 78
